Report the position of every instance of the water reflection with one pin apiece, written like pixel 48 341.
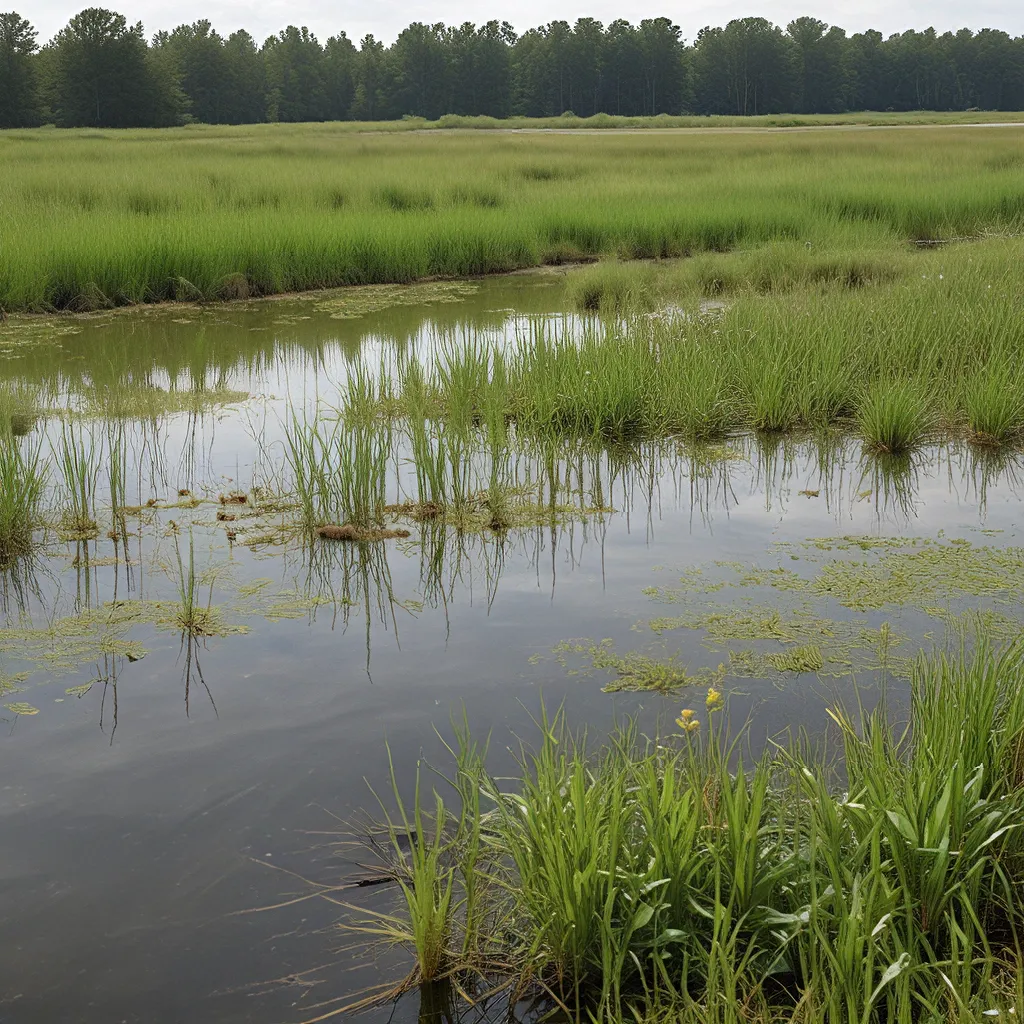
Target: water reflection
pixel 256 563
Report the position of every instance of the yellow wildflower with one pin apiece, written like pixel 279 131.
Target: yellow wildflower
pixel 714 700
pixel 686 720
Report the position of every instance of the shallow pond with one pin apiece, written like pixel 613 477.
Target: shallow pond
pixel 166 800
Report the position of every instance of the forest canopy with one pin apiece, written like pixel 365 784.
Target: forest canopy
pixel 101 71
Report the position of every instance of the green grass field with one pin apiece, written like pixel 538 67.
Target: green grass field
pixel 90 219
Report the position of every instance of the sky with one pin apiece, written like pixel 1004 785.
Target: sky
pixel 386 18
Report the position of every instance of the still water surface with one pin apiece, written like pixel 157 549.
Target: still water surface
pixel 165 790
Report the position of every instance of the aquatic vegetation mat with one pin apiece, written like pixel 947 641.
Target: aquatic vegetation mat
pixel 776 623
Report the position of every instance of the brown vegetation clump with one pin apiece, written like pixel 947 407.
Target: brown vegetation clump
pixel 358 534
pixel 234 287
pixel 427 510
pixel 234 498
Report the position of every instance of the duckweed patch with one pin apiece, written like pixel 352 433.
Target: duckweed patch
pixel 51 650
pixel 22 708
pixel 969 590
pixel 832 648
pixel 258 598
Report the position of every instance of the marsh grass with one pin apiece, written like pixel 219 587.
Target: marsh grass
pixel 426 878
pixel 611 288
pixel 117 479
pixel 18 410
pixel 670 879
pixel 900 362
pixel 994 405
pixel 23 478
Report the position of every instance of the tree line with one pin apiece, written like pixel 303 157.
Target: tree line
pixel 101 71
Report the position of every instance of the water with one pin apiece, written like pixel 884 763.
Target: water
pixel 153 805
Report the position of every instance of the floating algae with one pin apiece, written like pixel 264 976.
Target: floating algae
pixel 834 648
pixel 257 599
pixel 514 510
pixel 63 646
pixel 634 670
pixel 21 708
pixel 950 580
pixel 900 572
pixel 351 303
pixel 799 659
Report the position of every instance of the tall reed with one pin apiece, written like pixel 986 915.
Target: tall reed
pixel 78 457
pixel 339 469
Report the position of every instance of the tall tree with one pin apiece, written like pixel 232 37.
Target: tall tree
pixel 202 65
pixel 869 71
pixel 296 89
pixel 370 100
pixel 19 87
pixel 479 69
pixel 419 59
pixel 665 73
pixel 822 66
pixel 624 75
pixel 586 66
pixel 748 67
pixel 104 76
pixel 340 57
pixel 246 99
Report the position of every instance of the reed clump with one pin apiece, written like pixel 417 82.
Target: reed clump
pixel 194 617
pixel 339 470
pixel 674 879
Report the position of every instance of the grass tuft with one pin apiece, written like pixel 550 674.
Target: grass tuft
pixel 894 418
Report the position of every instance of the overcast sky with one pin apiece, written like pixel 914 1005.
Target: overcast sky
pixel 386 18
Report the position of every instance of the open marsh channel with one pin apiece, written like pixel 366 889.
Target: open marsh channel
pixel 196 687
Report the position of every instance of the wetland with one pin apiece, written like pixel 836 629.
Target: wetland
pixel 264 561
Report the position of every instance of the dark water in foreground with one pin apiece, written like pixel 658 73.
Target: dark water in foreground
pixel 152 803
